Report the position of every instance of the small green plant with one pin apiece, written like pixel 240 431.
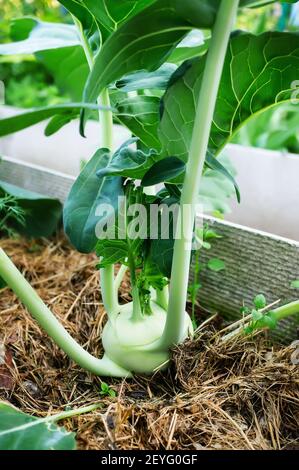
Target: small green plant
pixel 260 318
pixel 107 391
pixel 181 118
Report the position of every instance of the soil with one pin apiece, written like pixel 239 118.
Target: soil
pixel 241 395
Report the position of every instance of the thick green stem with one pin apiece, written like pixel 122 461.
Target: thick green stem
pixel 162 297
pixel 51 325
pixel 120 277
pixel 199 144
pixel 137 313
pixel 106 120
pixel 286 311
pixel 195 287
pixel 71 413
pixel 109 294
pixel 108 291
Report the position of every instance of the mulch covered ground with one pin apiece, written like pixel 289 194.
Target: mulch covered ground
pixel 244 395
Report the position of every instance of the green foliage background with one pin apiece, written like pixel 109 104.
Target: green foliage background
pixel 28 84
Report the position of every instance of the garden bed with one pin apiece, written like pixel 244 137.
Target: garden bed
pixel 256 262
pixel 200 345
pixel 241 396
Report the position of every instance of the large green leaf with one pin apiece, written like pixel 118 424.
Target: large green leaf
pixel 19 431
pixel 193 45
pixel 111 14
pixel 258 73
pixel 87 193
pixel 68 67
pixel 41 36
pixel 41 214
pixel 146 40
pixel 140 115
pixel 142 43
pixel 86 22
pixel 30 118
pixel 79 11
pixel 129 163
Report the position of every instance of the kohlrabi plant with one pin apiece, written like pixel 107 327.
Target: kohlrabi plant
pixel 176 76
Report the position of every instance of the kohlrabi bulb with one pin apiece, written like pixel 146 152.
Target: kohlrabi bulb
pixel 133 344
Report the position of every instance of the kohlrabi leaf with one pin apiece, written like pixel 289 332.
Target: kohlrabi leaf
pixel 32 117
pixel 214 164
pixel 258 73
pixel 193 45
pixel 69 68
pixel 140 114
pixel 57 122
pixel 180 54
pixel 216 189
pixel 42 36
pixel 41 215
pixel 129 162
pixel 87 194
pixel 111 251
pixel 86 23
pixel 19 431
pixel 172 169
pixel 144 42
pixel 111 14
pixel 79 11
pixel 164 170
pixel 161 249
pixel 142 80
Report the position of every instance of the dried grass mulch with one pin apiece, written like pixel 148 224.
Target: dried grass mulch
pixel 241 396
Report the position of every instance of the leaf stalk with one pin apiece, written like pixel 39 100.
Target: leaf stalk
pixel 194 169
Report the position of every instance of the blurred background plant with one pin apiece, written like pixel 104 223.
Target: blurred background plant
pixel 28 83
pixel 275 129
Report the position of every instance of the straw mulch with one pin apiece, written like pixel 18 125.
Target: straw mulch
pixel 241 396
